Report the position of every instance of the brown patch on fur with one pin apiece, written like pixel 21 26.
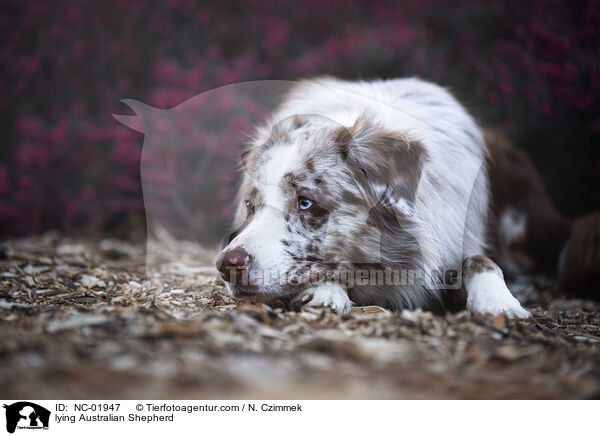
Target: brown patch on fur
pixel 478 264
pixel 371 149
pixel 342 135
pixel 298 122
pixel 342 138
pixel 314 218
pixel 350 197
pixel 310 164
pixel 253 193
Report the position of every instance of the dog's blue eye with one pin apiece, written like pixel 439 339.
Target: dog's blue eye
pixel 304 203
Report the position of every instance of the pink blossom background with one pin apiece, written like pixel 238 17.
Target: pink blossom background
pixel 532 68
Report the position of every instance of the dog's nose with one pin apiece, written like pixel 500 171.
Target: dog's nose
pixel 232 263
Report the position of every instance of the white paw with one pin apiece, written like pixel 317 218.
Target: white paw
pixel 326 295
pixel 488 295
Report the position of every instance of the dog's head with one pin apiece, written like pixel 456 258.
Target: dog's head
pixel 315 198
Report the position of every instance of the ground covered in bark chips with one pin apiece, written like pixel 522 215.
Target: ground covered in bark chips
pixel 81 319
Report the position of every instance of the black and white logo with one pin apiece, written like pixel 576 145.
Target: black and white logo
pixel 26 415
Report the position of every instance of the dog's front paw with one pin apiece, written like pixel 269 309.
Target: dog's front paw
pixel 325 295
pixel 488 295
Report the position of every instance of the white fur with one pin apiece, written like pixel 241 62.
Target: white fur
pixel 488 295
pixel 512 226
pixel 326 295
pixel 267 251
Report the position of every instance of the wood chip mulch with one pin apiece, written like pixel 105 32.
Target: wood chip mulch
pixel 84 319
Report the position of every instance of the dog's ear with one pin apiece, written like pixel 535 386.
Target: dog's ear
pixel 386 165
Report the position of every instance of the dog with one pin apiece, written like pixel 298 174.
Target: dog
pixel 529 235
pixel 371 193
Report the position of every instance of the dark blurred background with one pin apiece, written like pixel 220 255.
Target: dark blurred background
pixel 531 68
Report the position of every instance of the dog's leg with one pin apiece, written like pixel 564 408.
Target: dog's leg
pixel 324 295
pixel 486 291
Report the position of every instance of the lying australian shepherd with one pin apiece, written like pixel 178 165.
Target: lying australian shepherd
pixel 374 193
